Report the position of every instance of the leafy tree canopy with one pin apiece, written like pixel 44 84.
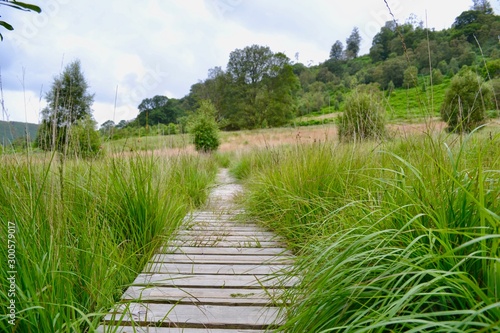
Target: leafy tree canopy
pixel 158 110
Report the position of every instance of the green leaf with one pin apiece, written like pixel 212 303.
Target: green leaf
pixel 6 25
pixel 29 6
pixel 22 6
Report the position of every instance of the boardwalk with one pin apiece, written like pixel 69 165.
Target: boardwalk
pixel 218 275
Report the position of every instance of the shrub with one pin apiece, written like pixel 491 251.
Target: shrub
pixel 437 76
pixel 204 128
pixel 411 77
pixel 465 103
pixel 363 118
pixel 84 140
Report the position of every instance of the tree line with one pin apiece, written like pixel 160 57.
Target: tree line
pixel 260 88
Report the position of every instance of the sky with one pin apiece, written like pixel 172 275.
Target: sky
pixel 131 50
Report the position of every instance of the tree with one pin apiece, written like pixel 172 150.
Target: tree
pixel 258 78
pixel 337 51
pixel 107 127
pixel 380 49
pixel 204 128
pixel 121 124
pixel 466 102
pixel 17 5
pixel 158 110
pixel 353 43
pixel 68 101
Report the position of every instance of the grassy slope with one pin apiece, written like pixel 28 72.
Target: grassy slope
pixel 415 103
pixel 12 130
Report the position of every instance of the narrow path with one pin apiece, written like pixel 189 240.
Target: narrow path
pixel 218 275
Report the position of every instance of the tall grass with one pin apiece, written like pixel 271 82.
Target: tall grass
pixel 401 237
pixel 85 228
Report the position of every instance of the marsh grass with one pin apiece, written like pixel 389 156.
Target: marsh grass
pixel 85 228
pixel 398 237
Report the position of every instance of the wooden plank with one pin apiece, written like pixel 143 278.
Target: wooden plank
pixel 136 329
pixel 214 281
pixel 218 243
pixel 221 259
pixel 223 296
pixel 212 269
pixel 228 228
pixel 226 250
pixel 227 232
pixel 227 238
pixel 196 316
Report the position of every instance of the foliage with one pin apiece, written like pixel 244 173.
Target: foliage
pixel 337 51
pixel 353 43
pixel 84 140
pixel 16 5
pixel 68 102
pixel 437 76
pixel 97 223
pixel 410 77
pixel 466 102
pixel 158 110
pixel 262 88
pixel 363 118
pixel 412 104
pixel 204 128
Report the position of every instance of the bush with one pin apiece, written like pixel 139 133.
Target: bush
pixel 465 103
pixel 84 140
pixel 437 76
pixel 363 118
pixel 204 128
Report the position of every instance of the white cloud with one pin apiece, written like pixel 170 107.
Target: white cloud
pixel 157 47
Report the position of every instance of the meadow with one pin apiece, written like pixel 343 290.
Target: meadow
pixel 392 236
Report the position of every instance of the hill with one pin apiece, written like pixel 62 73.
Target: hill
pixel 11 130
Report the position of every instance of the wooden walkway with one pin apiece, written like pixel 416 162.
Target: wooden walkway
pixel 218 275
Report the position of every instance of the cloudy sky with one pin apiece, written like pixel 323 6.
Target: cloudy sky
pixel 138 49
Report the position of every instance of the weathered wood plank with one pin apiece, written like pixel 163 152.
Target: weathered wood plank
pixel 228 238
pixel 213 269
pixel 222 296
pixel 217 227
pixel 226 250
pixel 228 232
pixel 215 281
pixel 219 243
pixel 220 259
pixel 196 316
pixel 130 329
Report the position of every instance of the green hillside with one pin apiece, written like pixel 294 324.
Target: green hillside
pixel 10 130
